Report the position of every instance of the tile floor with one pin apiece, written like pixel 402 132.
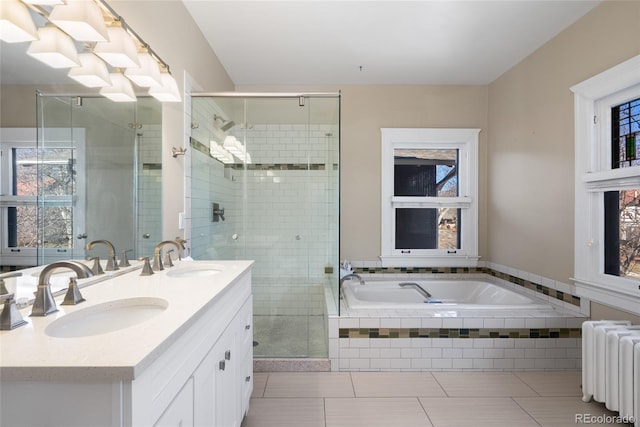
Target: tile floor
pixel 438 399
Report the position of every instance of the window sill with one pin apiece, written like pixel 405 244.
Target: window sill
pixel 612 179
pixel 623 300
pixel 429 261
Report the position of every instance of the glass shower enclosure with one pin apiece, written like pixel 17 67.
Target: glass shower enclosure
pixel 265 187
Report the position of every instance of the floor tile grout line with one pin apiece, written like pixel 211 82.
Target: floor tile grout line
pixel 353 387
pixel 266 383
pixel 425 411
pixel 440 385
pixel 324 407
pixel 515 375
pixel 525 411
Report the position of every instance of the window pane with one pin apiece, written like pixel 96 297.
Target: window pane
pixel 426 172
pixel 427 228
pixel 55 166
pixel 25 162
pixel 622 233
pixel 22 227
pixel 625 134
pixel 56 224
pixel 56 170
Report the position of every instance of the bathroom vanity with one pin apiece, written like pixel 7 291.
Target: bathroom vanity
pixel 174 348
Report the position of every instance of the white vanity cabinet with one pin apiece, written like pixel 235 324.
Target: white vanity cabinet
pixel 223 381
pixel 200 375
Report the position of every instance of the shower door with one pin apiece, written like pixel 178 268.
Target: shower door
pixel 280 209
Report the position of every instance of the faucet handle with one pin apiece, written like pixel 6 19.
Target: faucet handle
pixel 146 269
pixel 10 318
pixel 73 295
pixel 124 261
pixel 96 268
pixel 112 264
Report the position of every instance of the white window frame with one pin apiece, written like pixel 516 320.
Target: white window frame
pixel 28 137
pixel 464 140
pixel 593 100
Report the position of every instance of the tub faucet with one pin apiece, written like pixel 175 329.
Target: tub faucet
pixel 112 263
pixel 351 276
pixel 44 303
pixel 157 261
pixel 420 289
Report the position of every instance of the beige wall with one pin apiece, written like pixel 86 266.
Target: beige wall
pixel 530 154
pixel 602 312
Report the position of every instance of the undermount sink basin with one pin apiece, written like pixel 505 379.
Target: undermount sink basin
pixel 194 271
pixel 106 317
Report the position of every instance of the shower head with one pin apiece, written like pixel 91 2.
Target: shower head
pixel 222 124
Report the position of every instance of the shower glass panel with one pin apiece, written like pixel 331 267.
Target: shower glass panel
pixel 99 169
pixel 272 164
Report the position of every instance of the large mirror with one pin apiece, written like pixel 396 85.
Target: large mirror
pixel 99 166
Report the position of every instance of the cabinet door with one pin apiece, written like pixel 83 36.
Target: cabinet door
pixel 180 412
pixel 226 396
pixel 204 409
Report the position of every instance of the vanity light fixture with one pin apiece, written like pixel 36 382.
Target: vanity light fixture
pixel 98 27
pixel 120 89
pixel 92 72
pixel 168 92
pixel 81 19
pixel 54 48
pixel 120 51
pixel 16 24
pixel 147 74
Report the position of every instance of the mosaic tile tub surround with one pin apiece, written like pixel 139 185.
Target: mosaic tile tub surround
pixel 410 340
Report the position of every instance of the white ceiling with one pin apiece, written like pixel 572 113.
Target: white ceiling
pixel 317 42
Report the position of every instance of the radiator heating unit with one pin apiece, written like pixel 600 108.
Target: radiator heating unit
pixel 611 366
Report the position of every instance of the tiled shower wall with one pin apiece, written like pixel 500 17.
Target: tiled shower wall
pixel 149 189
pixel 290 204
pixel 280 210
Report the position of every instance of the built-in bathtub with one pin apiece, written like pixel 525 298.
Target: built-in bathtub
pixel 445 295
pixel 481 322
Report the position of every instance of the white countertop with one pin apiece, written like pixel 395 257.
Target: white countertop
pixel 28 353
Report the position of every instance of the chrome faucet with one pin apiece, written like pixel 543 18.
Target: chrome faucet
pixel 157 261
pixel 112 263
pixel 44 303
pixel 351 276
pixel 420 289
